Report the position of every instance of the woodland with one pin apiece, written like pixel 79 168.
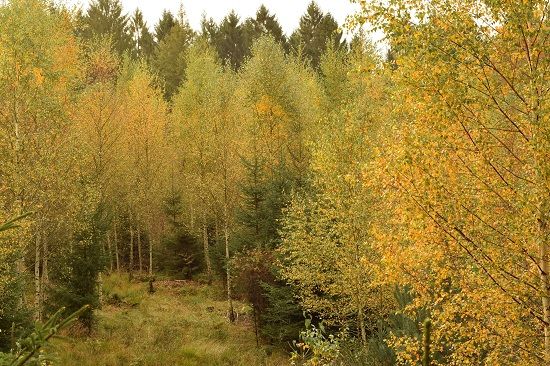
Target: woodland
pixel 301 199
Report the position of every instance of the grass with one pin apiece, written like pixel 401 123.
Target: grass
pixel 180 324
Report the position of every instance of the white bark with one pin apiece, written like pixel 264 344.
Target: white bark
pixel 150 237
pixel 140 258
pixel 228 272
pixel 545 285
pixel 131 265
pixel 37 287
pixel 116 249
pixel 206 248
pixel 110 252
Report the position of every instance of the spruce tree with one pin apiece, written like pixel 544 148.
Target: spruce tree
pixel 105 19
pixel 164 26
pixel 142 39
pixel 266 23
pixel 316 30
pixel 169 60
pixel 232 42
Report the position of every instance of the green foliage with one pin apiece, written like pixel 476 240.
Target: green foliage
pixel 315 32
pixel 316 347
pixel 282 319
pixel 75 278
pixel 105 19
pixel 30 350
pixel 143 43
pixel 232 41
pixel 179 255
pixel 182 323
pixel 265 24
pixel 169 59
pixel 14 316
pixel 12 223
pixel 164 26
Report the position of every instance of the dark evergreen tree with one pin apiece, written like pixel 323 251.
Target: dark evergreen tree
pixel 75 279
pixel 316 30
pixel 142 38
pixel 104 19
pixel 209 30
pixel 232 41
pixel 164 26
pixel 265 24
pixel 169 60
pixel 253 216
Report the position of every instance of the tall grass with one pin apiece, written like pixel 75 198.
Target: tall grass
pixel 177 325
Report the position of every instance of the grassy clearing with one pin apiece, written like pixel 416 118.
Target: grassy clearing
pixel 180 324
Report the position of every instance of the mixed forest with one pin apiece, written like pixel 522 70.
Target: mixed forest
pixel 367 207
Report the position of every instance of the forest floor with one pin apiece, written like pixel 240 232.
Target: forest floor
pixel 182 323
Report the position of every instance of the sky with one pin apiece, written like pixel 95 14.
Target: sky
pixel 288 12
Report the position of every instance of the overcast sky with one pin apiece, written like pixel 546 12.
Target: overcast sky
pixel 288 12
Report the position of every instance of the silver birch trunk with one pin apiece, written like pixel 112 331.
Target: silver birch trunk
pixel 150 267
pixel 110 252
pixel 100 288
pixel 544 273
pixel 140 258
pixel 116 249
pixel 45 275
pixel 228 271
pixel 361 321
pixel 131 265
pixel 206 248
pixel 37 289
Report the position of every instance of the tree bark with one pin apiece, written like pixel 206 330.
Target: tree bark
pixel 206 248
pixel 100 288
pixel 131 265
pixel 37 289
pixel 150 255
pixel 45 269
pixel 140 258
pixel 150 268
pixel 228 272
pixel 544 273
pixel 110 252
pixel 116 249
pixel 361 321
pixel 45 275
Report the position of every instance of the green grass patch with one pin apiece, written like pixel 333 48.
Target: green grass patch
pixel 182 323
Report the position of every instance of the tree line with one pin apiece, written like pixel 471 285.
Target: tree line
pixel 350 197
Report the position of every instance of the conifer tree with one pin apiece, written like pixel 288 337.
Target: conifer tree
pixel 105 19
pixel 169 58
pixel 265 23
pixel 316 30
pixel 232 41
pixel 142 39
pixel 164 26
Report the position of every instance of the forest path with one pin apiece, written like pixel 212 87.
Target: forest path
pixel 182 323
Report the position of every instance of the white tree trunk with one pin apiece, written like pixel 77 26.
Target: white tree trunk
pixel 150 237
pixel 140 258
pixel 131 265
pixel 37 287
pixel 100 287
pixel 150 254
pixel 361 321
pixel 228 271
pixel 545 283
pixel 206 248
pixel 45 272
pixel 116 250
pixel 110 252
